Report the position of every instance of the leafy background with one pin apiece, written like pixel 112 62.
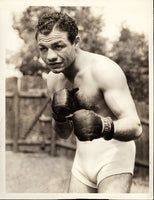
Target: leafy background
pixel 130 50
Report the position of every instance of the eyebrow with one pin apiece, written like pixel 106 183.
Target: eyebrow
pixel 41 45
pixel 59 41
pixel 55 43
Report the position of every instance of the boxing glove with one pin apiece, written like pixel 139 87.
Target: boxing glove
pixel 63 104
pixel 88 125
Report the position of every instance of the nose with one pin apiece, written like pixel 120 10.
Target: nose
pixel 51 56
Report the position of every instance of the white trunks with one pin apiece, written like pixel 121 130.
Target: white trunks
pixel 99 159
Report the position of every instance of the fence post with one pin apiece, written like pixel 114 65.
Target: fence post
pixel 43 120
pixel 53 140
pixel 16 118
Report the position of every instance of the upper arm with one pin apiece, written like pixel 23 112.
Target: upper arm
pixel 119 99
pixel 52 86
pixel 113 83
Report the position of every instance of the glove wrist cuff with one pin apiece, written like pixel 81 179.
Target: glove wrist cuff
pixel 108 128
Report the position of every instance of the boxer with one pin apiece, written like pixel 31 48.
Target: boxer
pixel 100 110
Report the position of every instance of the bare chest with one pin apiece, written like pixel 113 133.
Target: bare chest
pixel 89 96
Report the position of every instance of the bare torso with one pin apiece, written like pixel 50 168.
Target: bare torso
pixel 89 95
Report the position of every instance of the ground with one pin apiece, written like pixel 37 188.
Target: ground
pixel 41 173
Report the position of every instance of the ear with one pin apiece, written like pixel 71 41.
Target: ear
pixel 77 40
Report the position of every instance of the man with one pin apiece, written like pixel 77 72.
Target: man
pixel 90 96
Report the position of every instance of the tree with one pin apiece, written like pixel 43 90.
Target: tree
pixel 89 30
pixel 130 51
pixel 29 54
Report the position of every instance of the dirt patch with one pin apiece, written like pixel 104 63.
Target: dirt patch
pixel 30 173
pixel 41 173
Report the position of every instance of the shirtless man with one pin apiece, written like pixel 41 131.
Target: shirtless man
pixel 100 110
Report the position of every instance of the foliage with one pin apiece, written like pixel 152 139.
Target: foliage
pixel 130 51
pixel 89 29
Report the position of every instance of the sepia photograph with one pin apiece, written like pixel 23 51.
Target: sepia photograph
pixel 77 100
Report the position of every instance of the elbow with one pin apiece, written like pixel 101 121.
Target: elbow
pixel 137 131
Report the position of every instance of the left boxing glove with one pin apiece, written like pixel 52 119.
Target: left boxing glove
pixel 63 104
pixel 88 125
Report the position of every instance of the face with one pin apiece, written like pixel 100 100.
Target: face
pixel 56 50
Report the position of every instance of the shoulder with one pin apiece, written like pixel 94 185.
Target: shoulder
pixel 107 73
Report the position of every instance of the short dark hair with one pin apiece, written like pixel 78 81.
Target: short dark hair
pixel 59 20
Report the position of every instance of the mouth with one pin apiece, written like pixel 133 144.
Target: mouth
pixel 56 67
pixel 55 64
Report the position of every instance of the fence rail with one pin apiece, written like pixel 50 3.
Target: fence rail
pixel 25 94
pixel 144 121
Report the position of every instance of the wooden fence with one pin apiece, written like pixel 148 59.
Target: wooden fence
pixel 28 113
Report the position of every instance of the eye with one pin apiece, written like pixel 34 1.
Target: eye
pixel 59 47
pixel 43 49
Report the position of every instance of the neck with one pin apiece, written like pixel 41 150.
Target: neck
pixel 71 71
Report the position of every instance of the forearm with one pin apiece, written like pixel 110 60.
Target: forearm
pixel 127 129
pixel 63 129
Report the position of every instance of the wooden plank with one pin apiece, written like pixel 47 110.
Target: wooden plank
pixel 9 118
pixel 25 146
pixel 9 94
pixel 16 115
pixel 144 121
pixel 65 145
pixel 45 118
pixel 23 142
pixel 36 119
pixel 53 142
pixel 33 94
pixel 57 143
pixel 141 163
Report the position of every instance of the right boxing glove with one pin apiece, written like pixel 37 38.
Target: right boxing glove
pixel 63 104
pixel 88 125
